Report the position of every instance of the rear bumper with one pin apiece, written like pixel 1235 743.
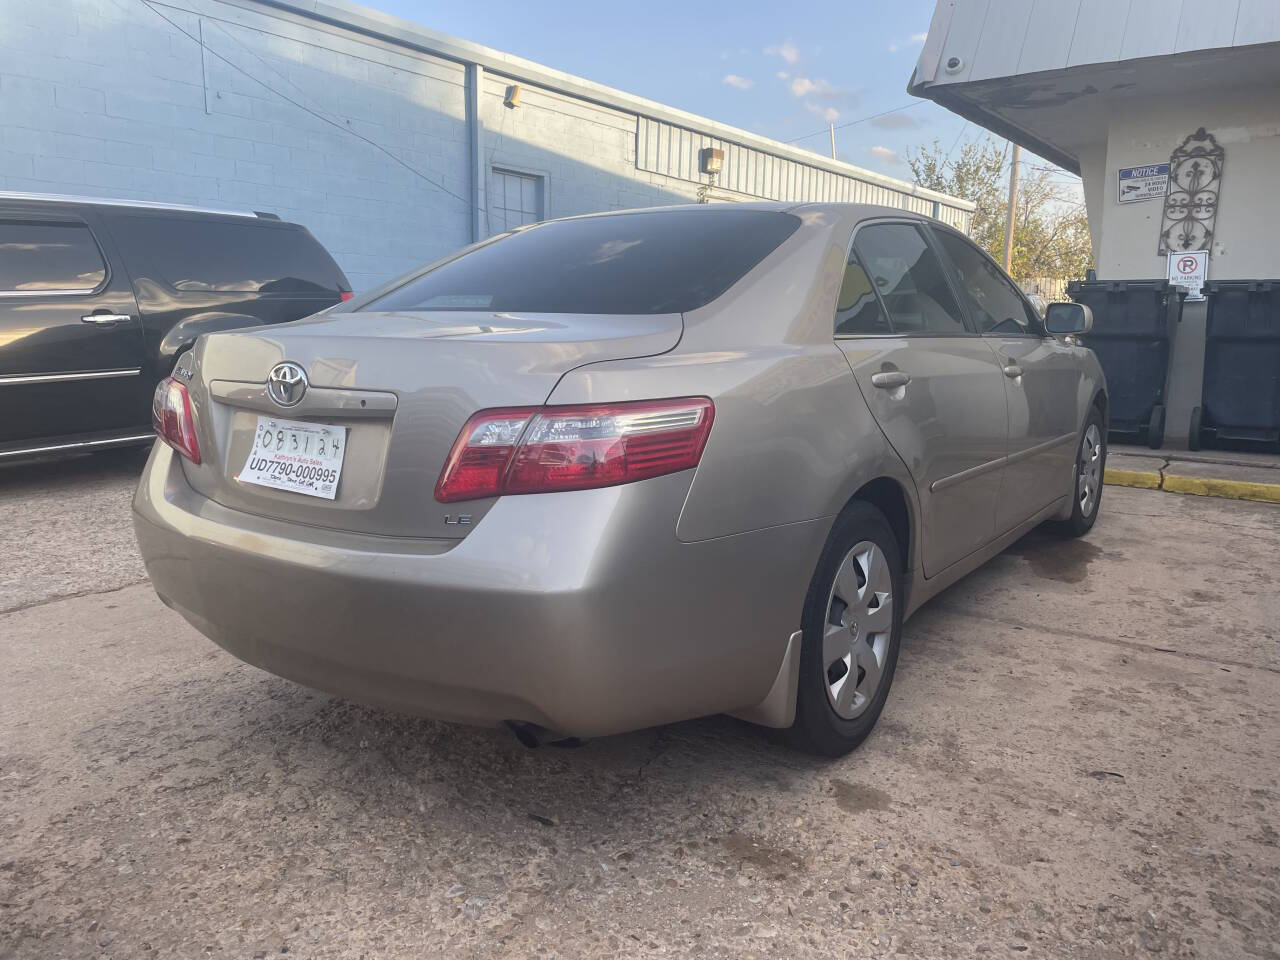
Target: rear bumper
pixel 581 612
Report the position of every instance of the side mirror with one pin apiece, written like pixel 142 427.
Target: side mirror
pixel 1068 319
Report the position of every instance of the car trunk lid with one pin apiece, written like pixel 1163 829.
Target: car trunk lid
pixel 398 387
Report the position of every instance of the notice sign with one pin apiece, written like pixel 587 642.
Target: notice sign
pixel 1190 270
pixel 1143 183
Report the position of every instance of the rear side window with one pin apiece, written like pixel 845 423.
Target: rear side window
pixel 204 255
pixel 654 262
pixel 994 304
pixel 910 279
pixel 858 310
pixel 42 255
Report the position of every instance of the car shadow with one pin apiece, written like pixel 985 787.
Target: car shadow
pixel 31 476
pixel 323 761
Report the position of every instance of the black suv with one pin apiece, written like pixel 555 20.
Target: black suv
pixel 98 298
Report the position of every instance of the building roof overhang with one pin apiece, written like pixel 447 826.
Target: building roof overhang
pixel 1059 113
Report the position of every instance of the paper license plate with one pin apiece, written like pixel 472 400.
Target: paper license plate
pixel 298 457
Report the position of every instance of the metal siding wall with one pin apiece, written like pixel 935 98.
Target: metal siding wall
pixel 1257 22
pixel 673 151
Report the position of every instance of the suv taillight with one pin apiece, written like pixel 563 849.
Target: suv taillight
pixel 172 420
pixel 544 449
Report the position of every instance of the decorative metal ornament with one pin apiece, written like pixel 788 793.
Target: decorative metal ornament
pixel 1191 203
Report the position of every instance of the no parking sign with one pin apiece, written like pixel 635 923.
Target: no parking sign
pixel 1189 269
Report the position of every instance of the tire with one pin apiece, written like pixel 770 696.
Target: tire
pixel 861 558
pixel 1091 461
pixel 1193 434
pixel 1155 429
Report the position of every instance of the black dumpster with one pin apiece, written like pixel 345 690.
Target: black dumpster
pixel 1133 327
pixel 1241 398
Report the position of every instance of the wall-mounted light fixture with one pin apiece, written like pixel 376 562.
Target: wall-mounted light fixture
pixel 711 160
pixel 512 99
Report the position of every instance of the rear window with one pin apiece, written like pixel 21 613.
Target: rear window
pixel 202 255
pixel 653 262
pixel 48 256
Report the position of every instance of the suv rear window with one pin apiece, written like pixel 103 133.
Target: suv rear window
pixel 199 255
pixel 43 255
pixel 650 262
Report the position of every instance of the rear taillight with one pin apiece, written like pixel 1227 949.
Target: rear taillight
pixel 346 295
pixel 171 417
pixel 544 449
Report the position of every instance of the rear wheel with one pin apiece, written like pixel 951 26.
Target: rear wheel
pixel 1087 478
pixel 852 628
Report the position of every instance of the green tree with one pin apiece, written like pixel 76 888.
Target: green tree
pixel 1051 229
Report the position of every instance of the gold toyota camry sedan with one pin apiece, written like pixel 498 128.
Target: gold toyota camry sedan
pixel 621 470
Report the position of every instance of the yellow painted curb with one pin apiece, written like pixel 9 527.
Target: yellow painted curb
pixel 1132 478
pixel 1230 489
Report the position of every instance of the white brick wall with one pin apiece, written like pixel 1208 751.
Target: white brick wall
pixel 103 97
pixel 106 98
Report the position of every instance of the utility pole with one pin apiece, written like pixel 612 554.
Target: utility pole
pixel 831 128
pixel 1013 206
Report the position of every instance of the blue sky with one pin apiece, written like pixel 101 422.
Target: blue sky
pixel 778 69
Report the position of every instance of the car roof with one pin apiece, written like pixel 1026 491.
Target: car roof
pixel 133 204
pixel 855 211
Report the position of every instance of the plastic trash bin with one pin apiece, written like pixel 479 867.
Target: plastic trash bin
pixel 1241 397
pixel 1133 327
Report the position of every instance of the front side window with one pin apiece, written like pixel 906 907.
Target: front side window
pixel 910 279
pixel 993 301
pixel 41 255
pixel 858 310
pixel 659 261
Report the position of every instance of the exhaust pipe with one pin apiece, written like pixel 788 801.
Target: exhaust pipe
pixel 533 736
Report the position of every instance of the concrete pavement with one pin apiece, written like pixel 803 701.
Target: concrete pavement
pixel 1080 759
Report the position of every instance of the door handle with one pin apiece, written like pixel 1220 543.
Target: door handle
pixel 106 319
pixel 1012 371
pixel 889 379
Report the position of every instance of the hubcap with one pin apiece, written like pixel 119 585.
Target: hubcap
pixel 859 621
pixel 1089 472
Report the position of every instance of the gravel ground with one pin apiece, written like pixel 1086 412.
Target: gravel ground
pixel 1080 758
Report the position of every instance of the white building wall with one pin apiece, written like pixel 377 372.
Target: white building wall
pixel 362 135
pixel 1247 125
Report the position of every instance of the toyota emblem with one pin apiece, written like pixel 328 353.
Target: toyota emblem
pixel 286 383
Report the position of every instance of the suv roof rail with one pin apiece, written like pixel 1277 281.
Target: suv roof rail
pixel 146 204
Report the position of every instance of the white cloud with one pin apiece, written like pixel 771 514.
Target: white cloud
pixel 802 85
pixel 829 114
pixel 919 38
pixel 783 75
pixel 823 92
pixel 740 83
pixel 787 51
pixel 885 154
pixel 894 48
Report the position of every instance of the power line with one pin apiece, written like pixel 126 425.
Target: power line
pixel 854 123
pixel 345 128
pixel 956 142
